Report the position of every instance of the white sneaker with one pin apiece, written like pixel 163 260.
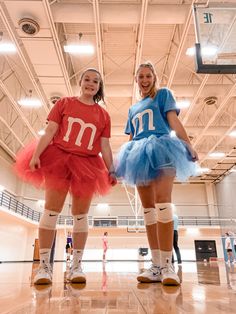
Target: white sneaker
pixel 43 275
pixel 76 275
pixel 153 274
pixel 168 276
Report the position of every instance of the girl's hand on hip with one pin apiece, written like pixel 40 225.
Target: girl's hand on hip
pixel 34 163
pixel 112 179
pixel 193 153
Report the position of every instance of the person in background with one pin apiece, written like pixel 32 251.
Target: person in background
pixel 228 248
pixel 74 155
pixel 175 240
pixel 235 245
pixel 105 245
pixel 69 246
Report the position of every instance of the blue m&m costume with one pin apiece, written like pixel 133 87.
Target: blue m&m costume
pixel 153 151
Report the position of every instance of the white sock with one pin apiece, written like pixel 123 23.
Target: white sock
pixel 165 257
pixel 44 255
pixel 77 256
pixel 156 257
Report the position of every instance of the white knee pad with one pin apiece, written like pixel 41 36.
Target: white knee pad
pixel 149 216
pixel 164 212
pixel 48 220
pixel 80 223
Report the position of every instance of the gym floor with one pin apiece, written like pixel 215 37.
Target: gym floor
pixel 112 288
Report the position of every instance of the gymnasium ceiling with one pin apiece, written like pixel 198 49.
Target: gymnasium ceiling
pixel 124 33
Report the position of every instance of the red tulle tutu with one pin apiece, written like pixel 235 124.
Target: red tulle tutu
pixel 84 176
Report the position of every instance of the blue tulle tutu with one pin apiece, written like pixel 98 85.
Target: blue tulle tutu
pixel 142 161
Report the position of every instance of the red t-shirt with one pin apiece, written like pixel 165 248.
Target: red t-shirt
pixel 81 126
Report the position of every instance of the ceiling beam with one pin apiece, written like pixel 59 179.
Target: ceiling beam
pixel 162 76
pixel 17 109
pixel 97 23
pixel 57 45
pixel 139 44
pixel 195 99
pixel 120 13
pixel 12 132
pixel 181 46
pixel 7 149
pixel 219 141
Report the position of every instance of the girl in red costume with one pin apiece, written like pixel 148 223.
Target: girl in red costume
pixel 66 159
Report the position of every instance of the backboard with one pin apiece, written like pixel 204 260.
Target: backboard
pixel 215 29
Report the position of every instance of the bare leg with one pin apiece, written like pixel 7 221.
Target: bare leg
pixel 104 254
pixel 176 247
pixel 230 257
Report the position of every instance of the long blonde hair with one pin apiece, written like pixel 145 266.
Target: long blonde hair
pixel 100 93
pixel 153 91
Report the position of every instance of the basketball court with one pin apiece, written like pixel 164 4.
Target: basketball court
pixel 112 288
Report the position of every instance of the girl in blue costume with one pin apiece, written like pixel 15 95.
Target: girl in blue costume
pixel 151 160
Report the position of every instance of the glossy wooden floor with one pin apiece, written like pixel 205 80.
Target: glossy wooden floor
pixel 112 288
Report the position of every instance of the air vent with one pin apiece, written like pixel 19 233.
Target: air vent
pixel 29 26
pixel 211 100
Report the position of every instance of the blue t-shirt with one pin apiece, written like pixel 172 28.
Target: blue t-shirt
pixel 148 116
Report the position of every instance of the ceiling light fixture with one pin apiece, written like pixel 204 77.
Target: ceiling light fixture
pixel 41 132
pixel 191 51
pixel 102 104
pixel 102 206
pixel 181 104
pixel 233 133
pixel 204 170
pixel 192 231
pixel 217 155
pixel 6 47
pixel 29 101
pixel 41 203
pixel 207 51
pixel 79 49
